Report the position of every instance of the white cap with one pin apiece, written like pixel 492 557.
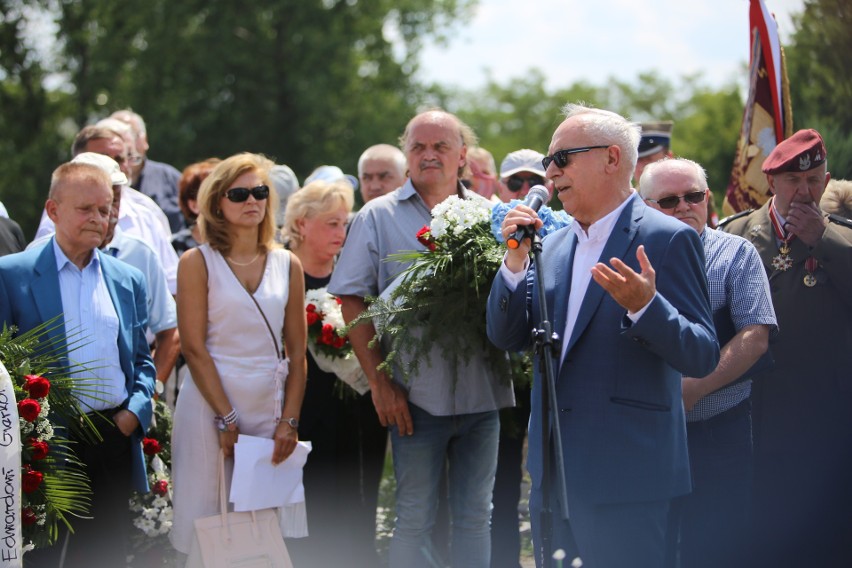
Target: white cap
pixel 331 174
pixel 103 162
pixel 522 161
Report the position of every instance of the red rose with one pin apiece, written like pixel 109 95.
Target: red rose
pixel 327 329
pixel 39 449
pixel 28 517
pixel 312 318
pixel 339 342
pixel 29 409
pixel 160 488
pixel 424 235
pixel 310 308
pixel 31 479
pixel 37 386
pixel 150 446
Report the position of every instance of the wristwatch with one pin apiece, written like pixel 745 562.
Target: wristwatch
pixel 292 422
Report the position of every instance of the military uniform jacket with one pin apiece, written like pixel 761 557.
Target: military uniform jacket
pixel 809 391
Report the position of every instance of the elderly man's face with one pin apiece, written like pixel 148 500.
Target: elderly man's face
pixel 114 148
pixel 676 180
pixel 81 214
pixel 113 215
pixel 798 187
pixel 434 151
pixel 378 177
pixel 579 183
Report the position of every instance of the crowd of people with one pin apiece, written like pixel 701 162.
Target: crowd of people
pixel 700 365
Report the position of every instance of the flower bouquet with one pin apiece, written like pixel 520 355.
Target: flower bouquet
pixel 439 299
pixel 53 485
pixel 329 347
pixel 153 510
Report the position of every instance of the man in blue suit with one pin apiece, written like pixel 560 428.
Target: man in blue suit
pixel 627 293
pixel 102 302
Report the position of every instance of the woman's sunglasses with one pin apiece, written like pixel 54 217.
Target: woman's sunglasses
pixel 240 194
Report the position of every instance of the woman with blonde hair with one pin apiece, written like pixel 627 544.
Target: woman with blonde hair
pixel 344 469
pixel 238 295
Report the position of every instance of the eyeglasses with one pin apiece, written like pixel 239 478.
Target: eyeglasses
pixel 515 183
pixel 240 194
pixel 671 201
pixel 561 157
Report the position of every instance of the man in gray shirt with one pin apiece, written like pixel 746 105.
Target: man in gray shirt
pixel 438 420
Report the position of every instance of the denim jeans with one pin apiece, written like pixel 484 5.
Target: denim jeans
pixel 466 445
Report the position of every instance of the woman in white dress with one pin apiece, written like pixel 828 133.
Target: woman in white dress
pixel 238 294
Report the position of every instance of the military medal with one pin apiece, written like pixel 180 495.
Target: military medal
pixel 782 261
pixel 811 266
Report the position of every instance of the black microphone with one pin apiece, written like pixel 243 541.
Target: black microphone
pixel 535 199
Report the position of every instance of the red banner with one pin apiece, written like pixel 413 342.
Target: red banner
pixel 767 119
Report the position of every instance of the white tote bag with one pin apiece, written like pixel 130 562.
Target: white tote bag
pixel 238 540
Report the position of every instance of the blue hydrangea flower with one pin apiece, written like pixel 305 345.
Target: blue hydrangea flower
pixel 553 220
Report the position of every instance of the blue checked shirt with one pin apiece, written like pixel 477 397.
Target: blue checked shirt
pixel 736 280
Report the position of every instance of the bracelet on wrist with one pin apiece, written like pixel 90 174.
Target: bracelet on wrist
pixel 227 423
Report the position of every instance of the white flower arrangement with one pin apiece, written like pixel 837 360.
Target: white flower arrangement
pixel 457 215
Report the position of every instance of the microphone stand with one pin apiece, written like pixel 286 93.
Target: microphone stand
pixel 546 340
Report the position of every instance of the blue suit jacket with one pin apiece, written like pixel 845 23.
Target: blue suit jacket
pixel 619 388
pixel 30 296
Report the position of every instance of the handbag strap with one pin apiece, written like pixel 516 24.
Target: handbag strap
pixel 269 327
pixel 223 503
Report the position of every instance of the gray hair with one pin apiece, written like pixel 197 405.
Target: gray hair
pixel 610 127
pixel 131 118
pixel 652 170
pixel 118 126
pixel 383 152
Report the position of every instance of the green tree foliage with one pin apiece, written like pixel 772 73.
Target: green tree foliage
pixel 819 63
pixel 31 117
pixel 306 82
pixel 522 113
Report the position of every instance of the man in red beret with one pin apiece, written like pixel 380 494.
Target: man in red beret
pixel 802 417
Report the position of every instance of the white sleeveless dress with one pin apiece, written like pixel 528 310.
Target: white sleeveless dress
pixel 242 347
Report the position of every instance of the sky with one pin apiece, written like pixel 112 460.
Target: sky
pixel 570 40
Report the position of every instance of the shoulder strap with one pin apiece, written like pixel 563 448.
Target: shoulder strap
pixel 733 217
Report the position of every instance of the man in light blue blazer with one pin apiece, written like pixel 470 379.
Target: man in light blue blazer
pixel 103 306
pixel 627 293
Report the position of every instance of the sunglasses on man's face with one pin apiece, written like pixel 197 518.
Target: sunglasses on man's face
pixel 240 194
pixel 561 157
pixel 516 183
pixel 671 201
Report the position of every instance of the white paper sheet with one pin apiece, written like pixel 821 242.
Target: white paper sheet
pixel 257 484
